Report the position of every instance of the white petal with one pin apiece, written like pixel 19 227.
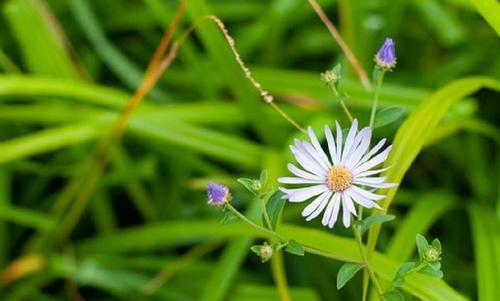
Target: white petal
pixel 295 180
pixel 349 141
pixel 303 174
pixel 371 180
pixel 305 160
pixel 346 214
pixel 313 154
pixel 350 204
pixel 332 219
pixel 301 194
pixel 364 136
pixel 318 148
pixel 367 194
pixel 372 152
pixel 329 210
pixel 315 208
pixel 358 198
pixel 339 142
pixel 373 161
pixel 331 145
pixel 371 172
pixel 376 182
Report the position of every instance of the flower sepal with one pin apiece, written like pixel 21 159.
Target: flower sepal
pixel 264 251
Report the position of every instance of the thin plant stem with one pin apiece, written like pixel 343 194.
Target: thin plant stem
pixel 342 103
pixel 265 213
pixel 414 270
pixel 359 239
pixel 254 225
pixel 367 264
pixel 343 45
pixel 276 235
pixel 380 79
pixel 268 98
pixel 100 156
pixel 287 117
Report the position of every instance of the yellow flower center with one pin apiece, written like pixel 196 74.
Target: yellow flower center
pixel 339 178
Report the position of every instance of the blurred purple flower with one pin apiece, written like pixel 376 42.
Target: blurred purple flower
pixel 218 195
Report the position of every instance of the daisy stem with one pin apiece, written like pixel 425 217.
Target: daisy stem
pixel 265 213
pixel 342 103
pixel 373 277
pixel 378 86
pixel 254 225
pixel 276 235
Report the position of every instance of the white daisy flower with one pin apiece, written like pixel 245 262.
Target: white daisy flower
pixel 338 180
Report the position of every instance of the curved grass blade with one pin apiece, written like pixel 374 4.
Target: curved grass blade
pixel 419 126
pixel 487 251
pixel 151 237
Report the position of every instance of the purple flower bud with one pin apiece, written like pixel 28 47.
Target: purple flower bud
pixel 386 56
pixel 218 195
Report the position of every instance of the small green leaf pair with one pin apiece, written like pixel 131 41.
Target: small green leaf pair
pixel 266 251
pixel 428 253
pixel 256 186
pixel 429 265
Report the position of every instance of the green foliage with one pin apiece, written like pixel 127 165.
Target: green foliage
pixel 388 115
pixel 295 248
pixel 393 295
pixel 69 68
pixel 369 221
pixel 346 272
pixel 275 207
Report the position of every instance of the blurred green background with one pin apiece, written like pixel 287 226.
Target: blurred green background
pixel 70 66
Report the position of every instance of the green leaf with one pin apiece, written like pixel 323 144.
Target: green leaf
pixel 161 235
pixel 426 210
pixel 31 24
pixel 247 183
pixel 275 207
pixel 436 244
pixel 429 270
pixel 256 249
pixel 229 218
pixel 417 128
pixel 375 219
pixel 489 9
pixel 346 272
pixel 263 177
pixel 293 247
pixel 486 243
pixel 393 295
pixel 388 115
pixel 399 279
pixel 422 246
pixel 434 265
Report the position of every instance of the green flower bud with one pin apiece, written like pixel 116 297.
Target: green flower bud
pixel 256 185
pixel 432 255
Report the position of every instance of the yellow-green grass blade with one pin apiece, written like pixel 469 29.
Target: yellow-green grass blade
pixel 490 10
pixel 40 40
pixel 167 234
pixel 486 239
pixel 412 135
